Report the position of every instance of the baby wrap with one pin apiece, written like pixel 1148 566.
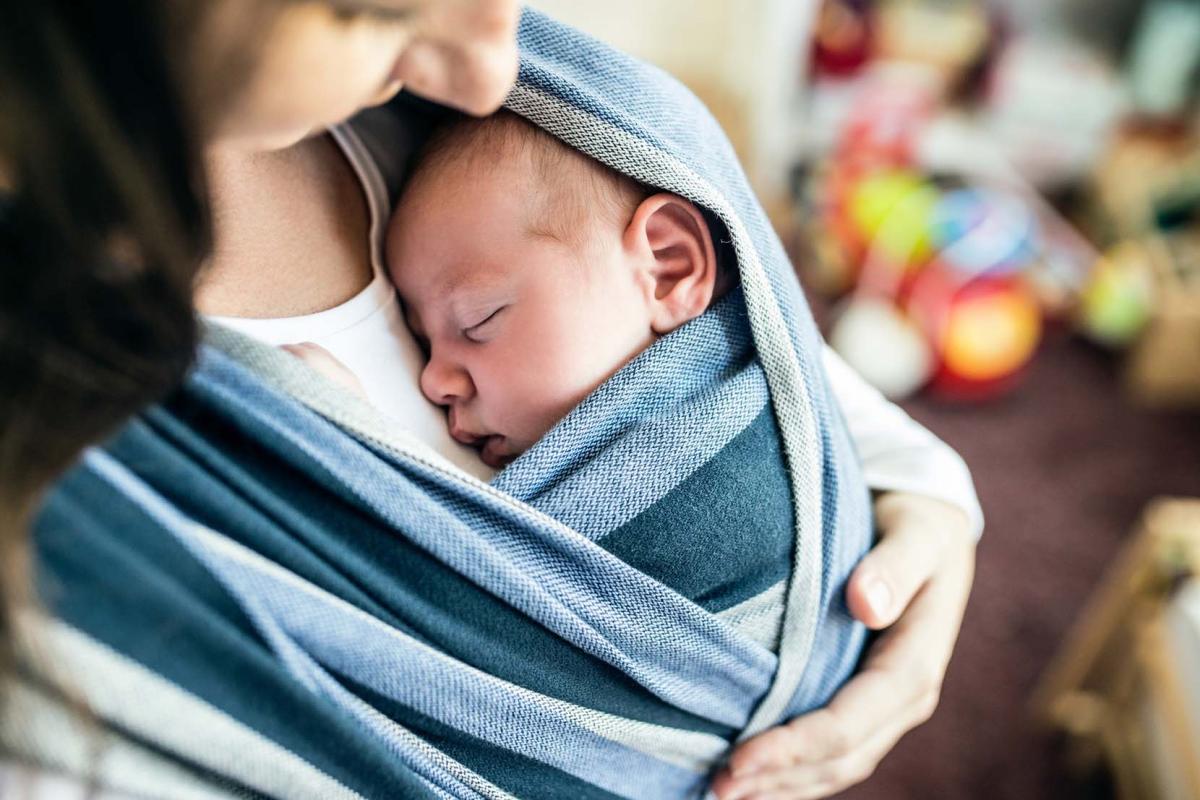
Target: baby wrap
pixel 260 587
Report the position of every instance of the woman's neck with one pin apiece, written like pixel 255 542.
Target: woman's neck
pixel 291 232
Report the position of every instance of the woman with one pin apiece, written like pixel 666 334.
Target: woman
pixel 112 177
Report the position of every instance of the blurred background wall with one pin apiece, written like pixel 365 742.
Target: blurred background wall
pixel 750 60
pixel 741 58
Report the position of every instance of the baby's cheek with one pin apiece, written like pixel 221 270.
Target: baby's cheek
pixel 540 391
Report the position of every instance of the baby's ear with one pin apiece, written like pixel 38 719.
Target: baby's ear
pixel 679 257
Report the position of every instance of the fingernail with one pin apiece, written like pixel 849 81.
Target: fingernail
pixel 879 596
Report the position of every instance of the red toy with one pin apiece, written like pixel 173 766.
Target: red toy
pixel 984 329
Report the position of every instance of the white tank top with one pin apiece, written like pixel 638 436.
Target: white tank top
pixel 367 332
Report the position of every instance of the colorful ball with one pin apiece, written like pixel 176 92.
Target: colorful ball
pixel 1118 300
pixel 892 211
pixel 991 331
pixel 984 330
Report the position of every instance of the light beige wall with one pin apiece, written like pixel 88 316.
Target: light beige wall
pixel 744 59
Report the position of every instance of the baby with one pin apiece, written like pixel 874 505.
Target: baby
pixel 530 273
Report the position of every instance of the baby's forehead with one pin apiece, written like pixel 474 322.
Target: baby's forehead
pixel 469 196
pixel 531 160
pixel 467 267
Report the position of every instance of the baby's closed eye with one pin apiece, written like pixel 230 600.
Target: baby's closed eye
pixel 485 327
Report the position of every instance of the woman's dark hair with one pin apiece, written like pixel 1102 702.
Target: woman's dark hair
pixel 102 229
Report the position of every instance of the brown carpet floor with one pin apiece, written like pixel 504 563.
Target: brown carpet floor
pixel 1063 467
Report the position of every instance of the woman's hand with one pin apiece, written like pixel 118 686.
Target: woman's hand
pixel 325 363
pixel 916 580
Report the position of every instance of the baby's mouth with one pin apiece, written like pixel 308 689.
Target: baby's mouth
pixel 461 434
pixel 489 445
pixel 492 453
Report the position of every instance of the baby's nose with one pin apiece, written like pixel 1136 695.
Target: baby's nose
pixel 443 382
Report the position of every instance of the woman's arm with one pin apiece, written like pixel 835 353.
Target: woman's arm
pixel 897 454
pixel 914 582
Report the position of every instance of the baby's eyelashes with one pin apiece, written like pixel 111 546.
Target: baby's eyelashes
pixel 480 331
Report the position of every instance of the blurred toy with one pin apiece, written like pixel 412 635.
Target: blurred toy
pixel 927 216
pixel 1118 299
pixel 991 325
pixel 949 36
pixel 861 215
pixel 976 306
pixel 941 295
pixel 968 338
pixel 849 195
pixel 1144 296
pixel 937 279
pixel 984 329
pixel 842 38
pixel 883 221
pixel 893 104
pixel 982 231
pixel 882 344
pixel 1163 368
pixel 1145 165
pixel 1146 193
pixel 891 212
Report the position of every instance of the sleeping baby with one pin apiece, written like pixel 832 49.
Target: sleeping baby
pixel 531 273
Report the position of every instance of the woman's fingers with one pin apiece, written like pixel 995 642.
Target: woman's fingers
pixel 325 363
pixel 827 733
pixel 837 746
pixel 916 533
pixel 889 692
pixel 926 559
pixel 804 781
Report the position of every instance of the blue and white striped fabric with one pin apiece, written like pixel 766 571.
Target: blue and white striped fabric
pixel 262 584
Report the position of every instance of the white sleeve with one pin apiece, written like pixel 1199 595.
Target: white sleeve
pixel 897 454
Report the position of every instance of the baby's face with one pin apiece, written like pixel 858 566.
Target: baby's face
pixel 518 327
